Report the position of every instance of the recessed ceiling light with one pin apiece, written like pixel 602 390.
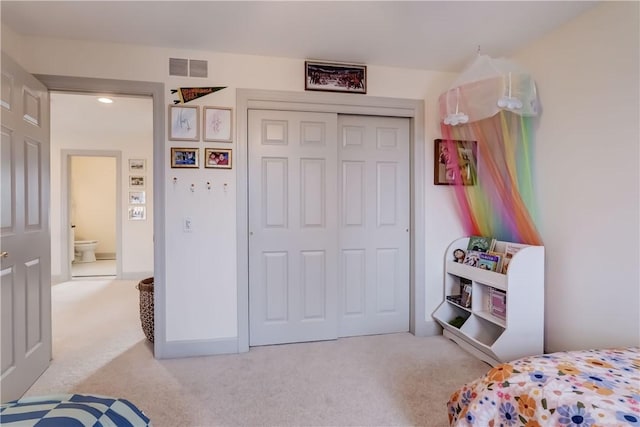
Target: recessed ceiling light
pixel 105 100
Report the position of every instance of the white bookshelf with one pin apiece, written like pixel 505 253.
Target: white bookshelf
pixel 486 336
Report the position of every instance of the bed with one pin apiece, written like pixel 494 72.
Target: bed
pixel 575 389
pixel 77 410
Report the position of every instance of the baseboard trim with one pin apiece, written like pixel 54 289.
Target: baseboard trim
pixel 428 329
pixel 191 348
pixel 106 255
pixel 136 275
pixel 56 279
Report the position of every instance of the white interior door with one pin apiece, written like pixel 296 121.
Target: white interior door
pixel 293 246
pixel 374 225
pixel 25 240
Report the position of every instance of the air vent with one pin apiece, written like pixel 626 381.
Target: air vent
pixel 188 67
pixel 197 68
pixel 178 67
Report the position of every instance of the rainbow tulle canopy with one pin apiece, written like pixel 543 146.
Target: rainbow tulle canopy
pixel 494 102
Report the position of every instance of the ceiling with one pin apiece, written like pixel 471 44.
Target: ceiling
pixel 432 35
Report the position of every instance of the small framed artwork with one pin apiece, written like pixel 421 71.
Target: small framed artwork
pixel 455 162
pixel 335 77
pixel 184 123
pixel 184 157
pixel 217 158
pixel 218 124
pixel 136 198
pixel 137 213
pixel 136 181
pixel 137 165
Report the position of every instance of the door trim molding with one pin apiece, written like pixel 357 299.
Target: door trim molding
pixel 65 208
pixel 156 91
pixel 341 104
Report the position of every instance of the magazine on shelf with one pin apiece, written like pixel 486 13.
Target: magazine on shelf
pixel 488 261
pixel 481 244
pixel 509 251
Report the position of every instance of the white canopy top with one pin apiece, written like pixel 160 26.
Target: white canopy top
pixel 484 88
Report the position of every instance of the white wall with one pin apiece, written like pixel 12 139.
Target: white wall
pixel 93 201
pixel 201 305
pixel 80 124
pixel 587 163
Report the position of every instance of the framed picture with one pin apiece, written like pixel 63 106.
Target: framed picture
pixel 184 123
pixel 333 77
pixel 217 158
pixel 136 198
pixel 137 212
pixel 136 181
pixel 137 165
pixel 455 162
pixel 184 157
pixel 217 123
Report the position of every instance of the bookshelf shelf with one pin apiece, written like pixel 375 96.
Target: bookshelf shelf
pixel 487 336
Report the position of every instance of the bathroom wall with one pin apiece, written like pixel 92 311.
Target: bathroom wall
pixel 93 202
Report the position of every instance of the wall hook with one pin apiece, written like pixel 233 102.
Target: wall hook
pixel 225 187
pixel 193 188
pixel 208 185
pixel 175 180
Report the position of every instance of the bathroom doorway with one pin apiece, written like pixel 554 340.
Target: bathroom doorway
pixel 102 176
pixel 93 196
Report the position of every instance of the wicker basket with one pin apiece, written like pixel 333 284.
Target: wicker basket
pixel 146 306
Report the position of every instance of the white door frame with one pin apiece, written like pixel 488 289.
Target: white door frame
pixel 65 206
pixel 342 104
pixel 157 92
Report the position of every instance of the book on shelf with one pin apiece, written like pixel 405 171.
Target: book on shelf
pixel 481 244
pixel 465 292
pixel 510 250
pixel 488 261
pixel 500 256
pixel 454 299
pixel 498 303
pixel 472 258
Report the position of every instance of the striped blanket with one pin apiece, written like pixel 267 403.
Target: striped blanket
pixel 72 410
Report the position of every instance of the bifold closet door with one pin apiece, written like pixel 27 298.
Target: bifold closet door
pixel 374 225
pixel 293 229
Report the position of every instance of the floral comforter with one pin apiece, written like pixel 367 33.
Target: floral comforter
pixel 575 389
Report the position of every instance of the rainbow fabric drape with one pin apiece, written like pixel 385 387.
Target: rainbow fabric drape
pixel 501 204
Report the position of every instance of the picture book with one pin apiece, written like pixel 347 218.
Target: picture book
pixel 481 244
pixel 510 250
pixel 472 258
pixel 487 261
pixel 500 256
pixel 465 296
pixel 498 303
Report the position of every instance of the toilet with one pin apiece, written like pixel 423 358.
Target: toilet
pixel 85 250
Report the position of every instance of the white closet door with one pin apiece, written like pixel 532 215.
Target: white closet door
pixel 374 225
pixel 293 269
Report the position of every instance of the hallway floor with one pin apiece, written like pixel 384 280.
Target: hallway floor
pixel 99 268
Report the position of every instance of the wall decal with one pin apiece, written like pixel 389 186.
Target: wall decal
pixel 187 94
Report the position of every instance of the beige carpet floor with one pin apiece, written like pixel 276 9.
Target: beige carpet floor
pixel 383 380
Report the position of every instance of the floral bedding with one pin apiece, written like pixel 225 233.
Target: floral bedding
pixel 576 389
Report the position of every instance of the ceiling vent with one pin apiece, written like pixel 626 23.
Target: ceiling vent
pixel 188 67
